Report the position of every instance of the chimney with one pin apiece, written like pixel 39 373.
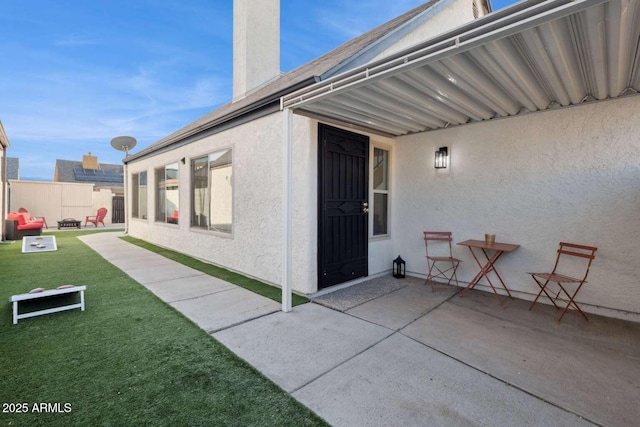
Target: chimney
pixel 89 161
pixel 256 44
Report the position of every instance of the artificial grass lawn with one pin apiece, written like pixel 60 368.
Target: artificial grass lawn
pixel 129 359
pixel 237 279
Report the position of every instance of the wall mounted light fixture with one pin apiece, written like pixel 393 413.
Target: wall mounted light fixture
pixel 183 160
pixel 442 158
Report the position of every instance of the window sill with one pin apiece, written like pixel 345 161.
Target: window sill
pixel 139 219
pixel 199 230
pixel 166 224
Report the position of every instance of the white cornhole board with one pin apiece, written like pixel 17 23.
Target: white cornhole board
pixel 27 297
pixel 34 244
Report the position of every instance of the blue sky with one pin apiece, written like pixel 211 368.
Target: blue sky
pixel 75 74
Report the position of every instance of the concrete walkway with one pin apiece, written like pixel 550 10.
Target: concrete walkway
pixel 410 356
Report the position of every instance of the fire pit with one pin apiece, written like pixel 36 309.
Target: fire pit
pixel 68 223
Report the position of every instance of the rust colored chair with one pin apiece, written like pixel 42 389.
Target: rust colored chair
pixel 97 219
pixel 443 265
pixel 576 257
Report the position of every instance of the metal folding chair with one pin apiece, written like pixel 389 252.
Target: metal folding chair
pixel 568 255
pixel 443 265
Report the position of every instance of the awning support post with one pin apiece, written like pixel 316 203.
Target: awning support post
pixel 287 148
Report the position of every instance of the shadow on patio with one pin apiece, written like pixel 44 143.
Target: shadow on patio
pixel 589 369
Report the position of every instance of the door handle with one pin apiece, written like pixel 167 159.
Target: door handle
pixel 365 207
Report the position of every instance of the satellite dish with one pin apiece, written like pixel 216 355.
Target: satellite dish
pixel 123 143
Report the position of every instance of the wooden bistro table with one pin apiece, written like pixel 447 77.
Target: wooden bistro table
pixel 491 253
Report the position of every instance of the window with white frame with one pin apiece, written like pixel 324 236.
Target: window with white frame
pixel 380 184
pixel 212 191
pixel 167 184
pixel 139 195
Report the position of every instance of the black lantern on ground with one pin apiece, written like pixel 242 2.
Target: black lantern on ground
pixel 398 268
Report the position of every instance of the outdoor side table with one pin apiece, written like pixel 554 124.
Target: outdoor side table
pixel 68 223
pixel 491 253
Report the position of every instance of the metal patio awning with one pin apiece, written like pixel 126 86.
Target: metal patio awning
pixel 533 56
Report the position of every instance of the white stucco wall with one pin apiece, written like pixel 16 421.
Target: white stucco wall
pixel 443 17
pixel 304 205
pixel 535 180
pixel 254 246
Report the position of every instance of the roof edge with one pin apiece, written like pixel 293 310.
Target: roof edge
pixel 178 136
pixel 368 53
pixel 4 141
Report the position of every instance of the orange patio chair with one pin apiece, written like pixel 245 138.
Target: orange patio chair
pixel 173 219
pixel 569 256
pixel 33 218
pixel 442 265
pixel 96 219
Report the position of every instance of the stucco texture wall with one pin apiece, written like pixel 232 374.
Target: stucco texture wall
pixel 535 180
pixel 254 248
pixel 442 17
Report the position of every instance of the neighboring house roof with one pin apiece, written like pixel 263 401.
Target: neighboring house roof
pixel 13 168
pixel 298 78
pixel 107 176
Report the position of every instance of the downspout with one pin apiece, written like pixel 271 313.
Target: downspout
pixel 287 148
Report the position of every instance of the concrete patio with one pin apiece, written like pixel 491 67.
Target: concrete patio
pixel 389 352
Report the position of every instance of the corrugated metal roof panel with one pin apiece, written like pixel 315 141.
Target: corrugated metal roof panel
pixel 551 54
